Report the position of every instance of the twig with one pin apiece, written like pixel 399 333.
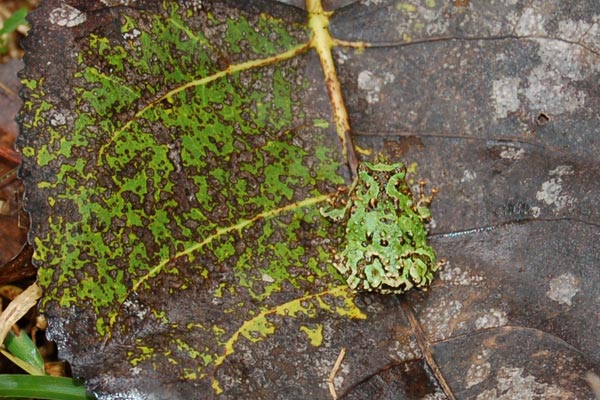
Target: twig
pixel 334 371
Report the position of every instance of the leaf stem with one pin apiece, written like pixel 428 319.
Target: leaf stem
pixel 322 42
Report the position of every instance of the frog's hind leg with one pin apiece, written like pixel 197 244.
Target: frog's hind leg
pixel 439 264
pixel 423 199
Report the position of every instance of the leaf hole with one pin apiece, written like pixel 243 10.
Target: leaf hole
pixel 542 119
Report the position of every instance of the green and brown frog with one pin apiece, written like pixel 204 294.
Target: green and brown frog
pixel 385 248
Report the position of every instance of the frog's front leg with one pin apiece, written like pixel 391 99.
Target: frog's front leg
pixel 423 202
pixel 339 204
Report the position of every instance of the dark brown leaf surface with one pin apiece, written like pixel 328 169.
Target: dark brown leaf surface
pixel 498 105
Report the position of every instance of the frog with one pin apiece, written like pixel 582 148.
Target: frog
pixel 385 246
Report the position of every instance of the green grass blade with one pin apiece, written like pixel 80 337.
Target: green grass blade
pixel 22 364
pixel 43 387
pixel 21 346
pixel 14 21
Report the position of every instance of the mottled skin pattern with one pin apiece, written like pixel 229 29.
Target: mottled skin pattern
pixel 385 248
